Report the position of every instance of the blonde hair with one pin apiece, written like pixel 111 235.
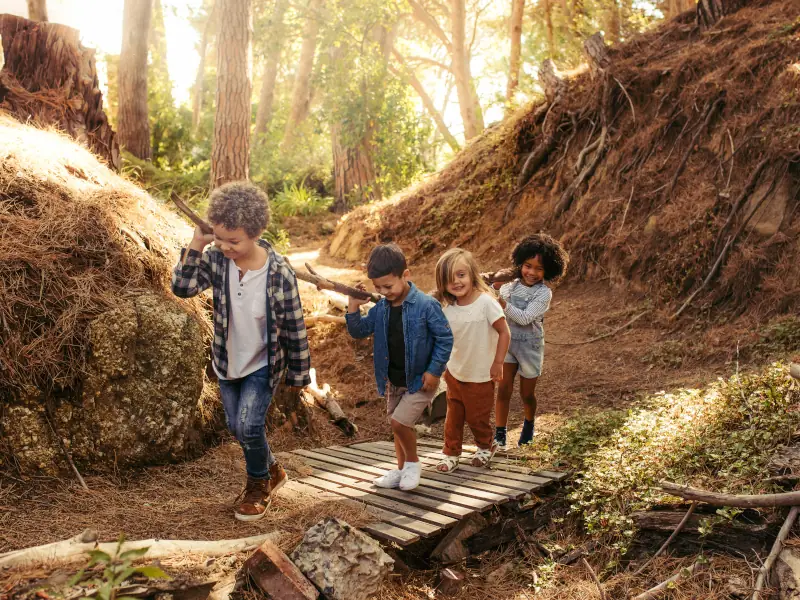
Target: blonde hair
pixel 445 267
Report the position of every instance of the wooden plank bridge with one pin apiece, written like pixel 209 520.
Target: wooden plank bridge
pixel 440 501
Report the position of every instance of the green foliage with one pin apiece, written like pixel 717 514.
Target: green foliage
pixel 781 336
pixel 720 437
pixel 117 569
pixel 298 200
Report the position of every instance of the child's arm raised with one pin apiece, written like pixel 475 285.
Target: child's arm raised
pixel 298 359
pixel 442 346
pixel 535 309
pixel 357 326
pixel 192 274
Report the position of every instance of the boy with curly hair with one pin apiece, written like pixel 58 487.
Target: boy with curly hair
pixel 537 259
pixel 259 332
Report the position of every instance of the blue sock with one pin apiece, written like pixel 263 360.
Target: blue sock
pixel 500 436
pixel 526 437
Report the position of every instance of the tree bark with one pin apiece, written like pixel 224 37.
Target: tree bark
pixel 711 11
pixel 301 91
pixel 548 20
pixel 415 83
pixel 469 106
pixel 613 19
pixel 133 126
pixel 37 10
pixel 230 155
pixel 49 78
pixel 199 81
pixel 271 64
pixel 517 11
pixel 353 171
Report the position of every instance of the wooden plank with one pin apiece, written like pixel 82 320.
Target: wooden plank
pixel 422 528
pixel 503 456
pixel 439 520
pixel 440 506
pixel 441 481
pixel 391 533
pixel 502 463
pixel 497 471
pixel 554 475
pixel 360 476
pixel 468 473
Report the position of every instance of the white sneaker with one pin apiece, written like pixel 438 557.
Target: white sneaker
pixel 390 480
pixel 411 475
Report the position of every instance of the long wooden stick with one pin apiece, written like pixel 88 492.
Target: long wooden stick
pixel 664 585
pixel 739 501
pixel 310 277
pixel 594 578
pixel 773 554
pixel 66 454
pixel 674 534
pixel 75 548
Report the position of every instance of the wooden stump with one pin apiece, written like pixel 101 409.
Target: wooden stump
pixel 51 79
pixel 551 80
pixel 597 52
pixel 711 11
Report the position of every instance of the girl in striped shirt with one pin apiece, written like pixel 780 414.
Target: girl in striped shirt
pixel 537 259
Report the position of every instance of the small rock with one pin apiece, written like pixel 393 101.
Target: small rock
pixel 500 573
pixel 452 548
pixel 450 582
pixel 344 563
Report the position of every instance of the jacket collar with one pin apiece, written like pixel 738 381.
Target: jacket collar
pixel 411 297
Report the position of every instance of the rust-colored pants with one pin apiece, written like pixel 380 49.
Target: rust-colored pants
pixel 471 403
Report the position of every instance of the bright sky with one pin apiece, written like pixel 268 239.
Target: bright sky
pixel 100 24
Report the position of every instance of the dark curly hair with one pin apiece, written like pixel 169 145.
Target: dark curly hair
pixel 239 204
pixel 553 256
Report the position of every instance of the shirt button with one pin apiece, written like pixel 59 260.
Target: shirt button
pixel 240 293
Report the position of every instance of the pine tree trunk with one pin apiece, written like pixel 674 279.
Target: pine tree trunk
pixel 517 11
pixel 353 171
pixel 37 10
pixel 132 122
pixel 264 114
pixel 200 79
pixel 50 80
pixel 230 155
pixel 301 91
pixel 548 20
pixel 614 24
pixel 467 97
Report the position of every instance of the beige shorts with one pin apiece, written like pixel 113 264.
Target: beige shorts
pixel 406 408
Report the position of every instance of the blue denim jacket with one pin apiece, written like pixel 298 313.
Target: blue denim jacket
pixel 425 330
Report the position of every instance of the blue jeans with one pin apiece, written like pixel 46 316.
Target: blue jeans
pixel 246 402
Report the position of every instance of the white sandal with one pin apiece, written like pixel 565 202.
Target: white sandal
pixel 450 464
pixel 483 457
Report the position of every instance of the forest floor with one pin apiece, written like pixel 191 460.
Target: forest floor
pixel 193 500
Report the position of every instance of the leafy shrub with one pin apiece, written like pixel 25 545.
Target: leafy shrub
pixel 298 200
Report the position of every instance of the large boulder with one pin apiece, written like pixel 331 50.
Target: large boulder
pixel 139 402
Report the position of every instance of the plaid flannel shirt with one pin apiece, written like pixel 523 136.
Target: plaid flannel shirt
pixel 288 342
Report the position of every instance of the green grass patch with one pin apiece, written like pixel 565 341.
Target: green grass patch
pixel 720 437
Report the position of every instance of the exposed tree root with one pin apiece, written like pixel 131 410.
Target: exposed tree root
pixel 746 191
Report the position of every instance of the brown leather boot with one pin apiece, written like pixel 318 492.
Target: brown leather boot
pixel 255 499
pixel 277 478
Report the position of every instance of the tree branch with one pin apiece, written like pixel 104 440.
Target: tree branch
pixel 739 501
pixel 427 19
pixel 430 61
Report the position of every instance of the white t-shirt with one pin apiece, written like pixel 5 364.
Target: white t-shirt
pixel 247 321
pixel 474 338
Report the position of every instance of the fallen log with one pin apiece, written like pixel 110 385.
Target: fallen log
pixel 678 528
pixel 78 546
pixel 739 501
pixel 311 277
pixel 325 400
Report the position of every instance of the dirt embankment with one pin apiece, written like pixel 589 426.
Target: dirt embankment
pixel 676 163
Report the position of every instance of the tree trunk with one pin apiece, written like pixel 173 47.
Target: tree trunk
pixel 199 81
pixel 614 24
pixel 301 91
pixel 133 126
pixel 353 171
pixel 230 155
pixel 264 114
pixel 415 83
pixel 548 21
pixel 37 10
pixel 711 11
pixel 468 103
pixel 50 79
pixel 517 11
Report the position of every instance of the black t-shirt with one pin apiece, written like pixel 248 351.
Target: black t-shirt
pixel 397 347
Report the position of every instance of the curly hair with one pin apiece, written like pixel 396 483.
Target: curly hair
pixel 239 204
pixel 553 255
